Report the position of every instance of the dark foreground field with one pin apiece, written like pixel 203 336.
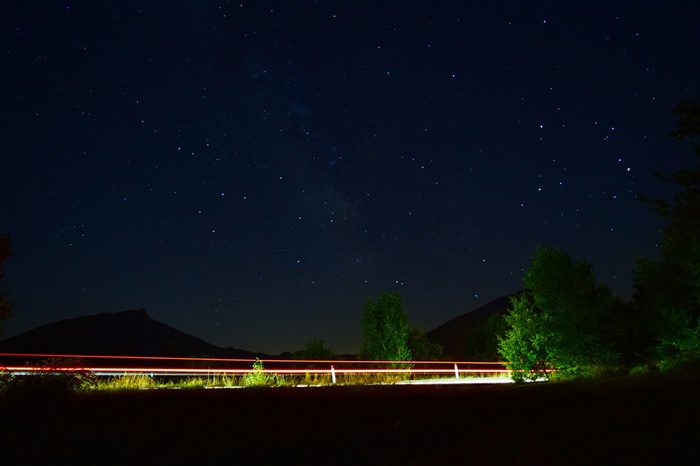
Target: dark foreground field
pixel 650 420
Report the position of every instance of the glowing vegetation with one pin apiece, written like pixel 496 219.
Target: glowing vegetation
pixel 566 325
pixel 561 321
pixel 385 330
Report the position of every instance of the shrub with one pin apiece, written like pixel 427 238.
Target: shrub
pixel 58 377
pixel 258 376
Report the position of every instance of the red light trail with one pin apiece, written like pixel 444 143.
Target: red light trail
pixel 89 363
pixel 289 361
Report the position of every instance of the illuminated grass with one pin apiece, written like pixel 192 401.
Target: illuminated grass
pixel 306 373
pixel 127 382
pixel 146 382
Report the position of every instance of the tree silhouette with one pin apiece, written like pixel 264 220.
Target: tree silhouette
pixel 667 291
pixel 315 349
pixel 422 349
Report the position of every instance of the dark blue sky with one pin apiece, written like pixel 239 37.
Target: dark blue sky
pixel 252 172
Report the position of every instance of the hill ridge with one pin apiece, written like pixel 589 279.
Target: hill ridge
pixel 132 332
pixel 453 333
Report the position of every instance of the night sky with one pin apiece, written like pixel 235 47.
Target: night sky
pixel 252 172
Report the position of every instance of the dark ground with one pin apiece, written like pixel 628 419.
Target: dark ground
pixel 648 420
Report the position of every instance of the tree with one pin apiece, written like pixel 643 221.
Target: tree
pixel 563 320
pixel 315 349
pixel 422 349
pixel 5 305
pixel 385 330
pixel 483 339
pixel 524 344
pixel 667 291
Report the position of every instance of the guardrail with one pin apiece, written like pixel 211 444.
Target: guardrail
pixel 183 367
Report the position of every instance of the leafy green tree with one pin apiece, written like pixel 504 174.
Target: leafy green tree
pixel 667 291
pixel 423 349
pixel 5 305
pixel 385 330
pixel 524 344
pixel 563 320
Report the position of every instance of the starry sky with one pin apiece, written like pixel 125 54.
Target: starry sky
pixel 252 172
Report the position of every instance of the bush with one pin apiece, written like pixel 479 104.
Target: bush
pixel 57 378
pixel 258 377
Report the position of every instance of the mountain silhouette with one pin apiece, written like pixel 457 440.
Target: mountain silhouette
pixel 453 333
pixel 128 333
pixel 135 333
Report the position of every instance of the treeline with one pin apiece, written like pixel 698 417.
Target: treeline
pixel 565 325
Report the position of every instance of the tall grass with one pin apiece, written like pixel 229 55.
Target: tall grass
pixel 127 382
pixel 255 378
pixel 53 379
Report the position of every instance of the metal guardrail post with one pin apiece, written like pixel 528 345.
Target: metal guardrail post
pixel 333 373
pixel 456 371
